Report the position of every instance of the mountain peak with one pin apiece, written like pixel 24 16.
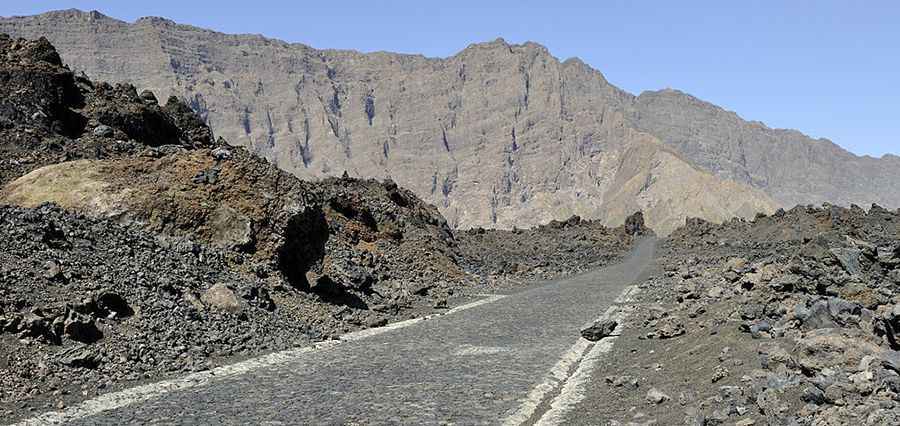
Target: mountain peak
pixel 501 44
pixel 77 13
pixel 495 44
pixel 154 20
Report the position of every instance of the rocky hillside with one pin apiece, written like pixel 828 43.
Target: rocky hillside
pixel 788 319
pixel 547 251
pixel 48 115
pixel 176 252
pixel 497 135
pixel 787 165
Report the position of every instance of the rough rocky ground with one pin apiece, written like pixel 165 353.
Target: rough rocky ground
pixel 788 319
pixel 165 251
pixel 551 250
pixel 354 242
pixel 472 367
pixel 87 305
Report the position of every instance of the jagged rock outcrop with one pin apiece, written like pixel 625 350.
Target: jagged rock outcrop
pixel 498 135
pixel 48 114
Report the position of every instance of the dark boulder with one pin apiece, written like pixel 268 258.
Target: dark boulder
pixel 79 356
pixel 81 328
pixel 599 330
pixel 634 224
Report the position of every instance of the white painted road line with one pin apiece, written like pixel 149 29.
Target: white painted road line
pixel 362 334
pixel 124 398
pixel 554 380
pixel 583 355
pixel 469 350
pixel 574 389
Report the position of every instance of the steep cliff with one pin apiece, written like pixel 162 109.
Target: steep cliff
pixel 497 135
pixel 788 165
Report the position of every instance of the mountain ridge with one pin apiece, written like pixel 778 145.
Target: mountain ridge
pixel 497 135
pixel 153 19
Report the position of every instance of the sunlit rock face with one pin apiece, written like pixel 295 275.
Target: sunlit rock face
pixel 497 135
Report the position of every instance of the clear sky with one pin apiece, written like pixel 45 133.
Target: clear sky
pixel 828 68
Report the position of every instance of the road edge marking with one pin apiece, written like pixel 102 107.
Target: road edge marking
pixel 575 388
pixel 369 332
pixel 130 396
pixel 582 356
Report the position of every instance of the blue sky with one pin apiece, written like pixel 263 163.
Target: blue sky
pixel 828 68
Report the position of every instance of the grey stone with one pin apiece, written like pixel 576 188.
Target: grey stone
pixel 221 153
pixel 81 328
pixel 79 356
pixel 757 330
pixel 30 325
pixel 634 224
pixel 670 327
pixel 622 381
pixel 229 228
pixel 209 176
pixel 149 98
pixel 655 396
pixel 103 131
pixel 52 270
pixel 848 258
pixel 894 313
pixel 719 374
pixel 815 316
pixel 599 330
pixel 785 282
pixel 221 297
pixel 813 395
pixel 889 256
pixel 841 310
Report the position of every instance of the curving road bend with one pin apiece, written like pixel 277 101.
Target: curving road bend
pixel 474 366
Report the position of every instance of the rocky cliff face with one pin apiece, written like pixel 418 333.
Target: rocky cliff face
pixel 788 165
pixel 498 135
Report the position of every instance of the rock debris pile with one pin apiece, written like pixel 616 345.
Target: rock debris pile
pixel 88 303
pixel 554 249
pixel 787 319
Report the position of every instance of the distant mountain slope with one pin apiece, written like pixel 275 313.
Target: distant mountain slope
pixel 786 164
pixel 497 135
